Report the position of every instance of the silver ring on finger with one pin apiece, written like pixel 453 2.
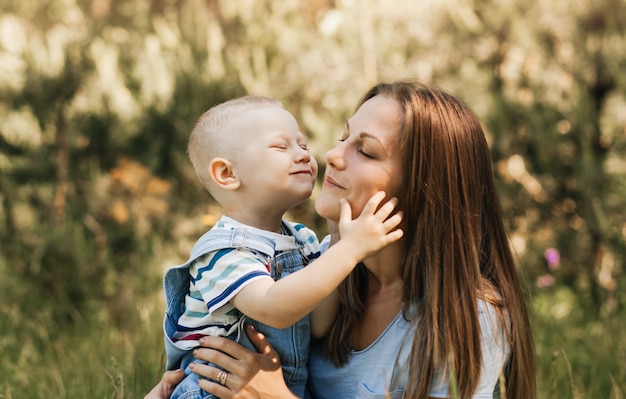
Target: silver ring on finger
pixel 221 377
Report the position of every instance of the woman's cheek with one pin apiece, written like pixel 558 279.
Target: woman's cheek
pixel 356 208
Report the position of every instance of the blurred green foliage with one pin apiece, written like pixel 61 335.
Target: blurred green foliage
pixel 97 196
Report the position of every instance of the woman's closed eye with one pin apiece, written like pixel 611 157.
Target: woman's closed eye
pixel 359 148
pixel 365 153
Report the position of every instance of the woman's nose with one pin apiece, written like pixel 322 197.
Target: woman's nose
pixel 334 156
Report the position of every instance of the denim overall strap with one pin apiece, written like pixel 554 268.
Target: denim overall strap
pixel 215 239
pixel 291 343
pixel 176 279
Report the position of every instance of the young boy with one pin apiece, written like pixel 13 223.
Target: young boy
pixel 250 155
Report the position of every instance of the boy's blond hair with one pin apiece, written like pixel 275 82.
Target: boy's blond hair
pixel 212 135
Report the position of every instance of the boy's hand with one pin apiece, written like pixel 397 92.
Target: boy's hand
pixel 373 229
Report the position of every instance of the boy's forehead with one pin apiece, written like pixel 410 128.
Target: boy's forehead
pixel 268 120
pixel 267 112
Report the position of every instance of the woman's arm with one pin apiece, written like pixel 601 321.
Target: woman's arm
pixel 249 374
pixel 323 316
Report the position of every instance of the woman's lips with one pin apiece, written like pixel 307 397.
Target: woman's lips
pixel 331 182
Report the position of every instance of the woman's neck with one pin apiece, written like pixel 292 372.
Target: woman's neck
pixel 385 267
pixel 384 297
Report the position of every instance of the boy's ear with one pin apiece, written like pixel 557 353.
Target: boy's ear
pixel 223 173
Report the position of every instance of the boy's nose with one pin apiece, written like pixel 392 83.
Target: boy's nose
pixel 303 156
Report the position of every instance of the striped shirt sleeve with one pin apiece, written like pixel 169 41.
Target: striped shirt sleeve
pixel 220 275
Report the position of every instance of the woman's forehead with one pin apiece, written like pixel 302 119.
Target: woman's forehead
pixel 378 117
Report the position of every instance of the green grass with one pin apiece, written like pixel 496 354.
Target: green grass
pixel 579 354
pixel 41 357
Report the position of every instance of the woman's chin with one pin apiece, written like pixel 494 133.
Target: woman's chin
pixel 327 210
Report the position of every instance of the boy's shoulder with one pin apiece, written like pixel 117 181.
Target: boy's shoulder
pixel 300 229
pixel 301 232
pixel 306 239
pixel 225 234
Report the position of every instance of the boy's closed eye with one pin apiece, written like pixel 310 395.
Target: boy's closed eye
pixel 279 145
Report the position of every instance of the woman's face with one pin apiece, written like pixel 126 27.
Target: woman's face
pixel 366 160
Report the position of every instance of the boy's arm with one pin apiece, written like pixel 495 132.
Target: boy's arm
pixel 284 302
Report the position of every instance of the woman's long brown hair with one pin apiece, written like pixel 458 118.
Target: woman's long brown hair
pixel 457 251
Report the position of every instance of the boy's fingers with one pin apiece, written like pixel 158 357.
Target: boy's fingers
pixel 373 202
pixel 394 236
pixel 387 208
pixel 394 221
pixel 346 211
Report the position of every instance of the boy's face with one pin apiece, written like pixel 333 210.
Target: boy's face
pixel 273 162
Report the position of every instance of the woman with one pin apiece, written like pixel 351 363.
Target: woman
pixel 440 313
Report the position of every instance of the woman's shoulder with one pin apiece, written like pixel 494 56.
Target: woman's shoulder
pixel 494 323
pixel 493 320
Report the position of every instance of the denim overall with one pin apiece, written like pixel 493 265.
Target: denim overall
pixel 291 343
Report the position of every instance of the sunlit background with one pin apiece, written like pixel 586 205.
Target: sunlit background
pixel 97 196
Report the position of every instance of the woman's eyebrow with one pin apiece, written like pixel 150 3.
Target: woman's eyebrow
pixel 364 135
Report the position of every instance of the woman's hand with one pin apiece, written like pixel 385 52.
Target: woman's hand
pixel 249 374
pixel 166 386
